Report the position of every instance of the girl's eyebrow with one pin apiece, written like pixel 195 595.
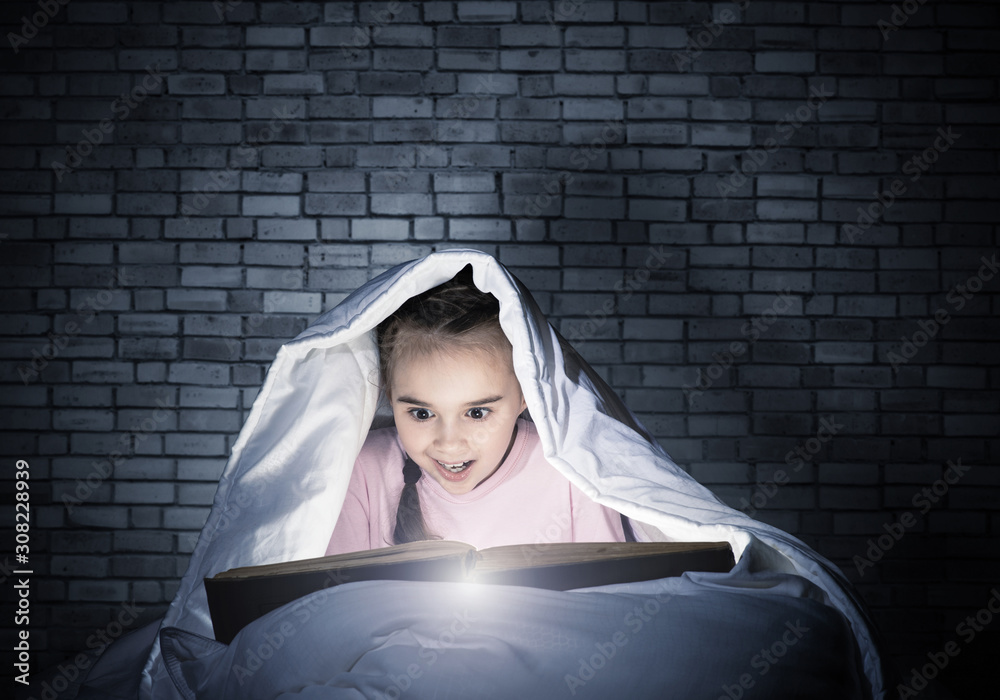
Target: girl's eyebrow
pixel 417 402
pixel 489 399
pixel 411 400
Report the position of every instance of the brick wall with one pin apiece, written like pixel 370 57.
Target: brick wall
pixel 770 225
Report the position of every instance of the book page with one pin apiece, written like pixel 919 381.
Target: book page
pixel 551 554
pixel 411 551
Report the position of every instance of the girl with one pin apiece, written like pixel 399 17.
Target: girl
pixel 460 464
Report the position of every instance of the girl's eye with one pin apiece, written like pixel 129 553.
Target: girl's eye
pixel 478 413
pixel 420 413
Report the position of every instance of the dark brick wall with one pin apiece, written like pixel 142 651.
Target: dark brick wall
pixel 766 223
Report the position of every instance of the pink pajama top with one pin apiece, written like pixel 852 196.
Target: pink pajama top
pixel 526 501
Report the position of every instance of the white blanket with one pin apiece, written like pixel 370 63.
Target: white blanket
pixel 698 637
pixel 280 494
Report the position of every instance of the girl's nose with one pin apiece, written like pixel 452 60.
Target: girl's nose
pixel 449 438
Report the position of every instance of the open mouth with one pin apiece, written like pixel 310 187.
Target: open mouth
pixel 455 471
pixel 456 467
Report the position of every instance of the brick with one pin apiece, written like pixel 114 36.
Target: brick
pixel 291 302
pixel 275 36
pixel 529 35
pixel 200 84
pixel 532 132
pixel 185 518
pixel 428 228
pixel 474 204
pixel 292 84
pixel 467 59
pixel 480 229
pixel 518 108
pixel 583 84
pixel 481 156
pixel 654 108
pixel 657 186
pixel 487 84
pixel 402 59
pixel 200 469
pixel 339 132
pixel 341 280
pixel 464 182
pixel 471 107
pixel 489 12
pixel 409 130
pixel 784 62
pixel 592 110
pixel 401 204
pixel 662 134
pixel 386 83
pixel 595 60
pixel 197 373
pixel 147 348
pixel 386 156
pixel 401 107
pixel 399 181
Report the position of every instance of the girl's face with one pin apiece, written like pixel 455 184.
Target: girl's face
pixel 455 414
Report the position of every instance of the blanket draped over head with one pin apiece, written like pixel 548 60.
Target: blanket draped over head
pixel 281 491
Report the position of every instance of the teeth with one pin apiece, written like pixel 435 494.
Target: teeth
pixel 454 467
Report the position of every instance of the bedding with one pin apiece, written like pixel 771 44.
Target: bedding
pixel 279 497
pixel 459 641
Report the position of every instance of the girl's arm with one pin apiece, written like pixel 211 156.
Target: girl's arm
pixel 352 532
pixel 593 522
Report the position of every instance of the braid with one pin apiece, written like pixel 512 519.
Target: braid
pixel 409 519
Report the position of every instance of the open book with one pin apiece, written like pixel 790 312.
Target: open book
pixel 239 596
